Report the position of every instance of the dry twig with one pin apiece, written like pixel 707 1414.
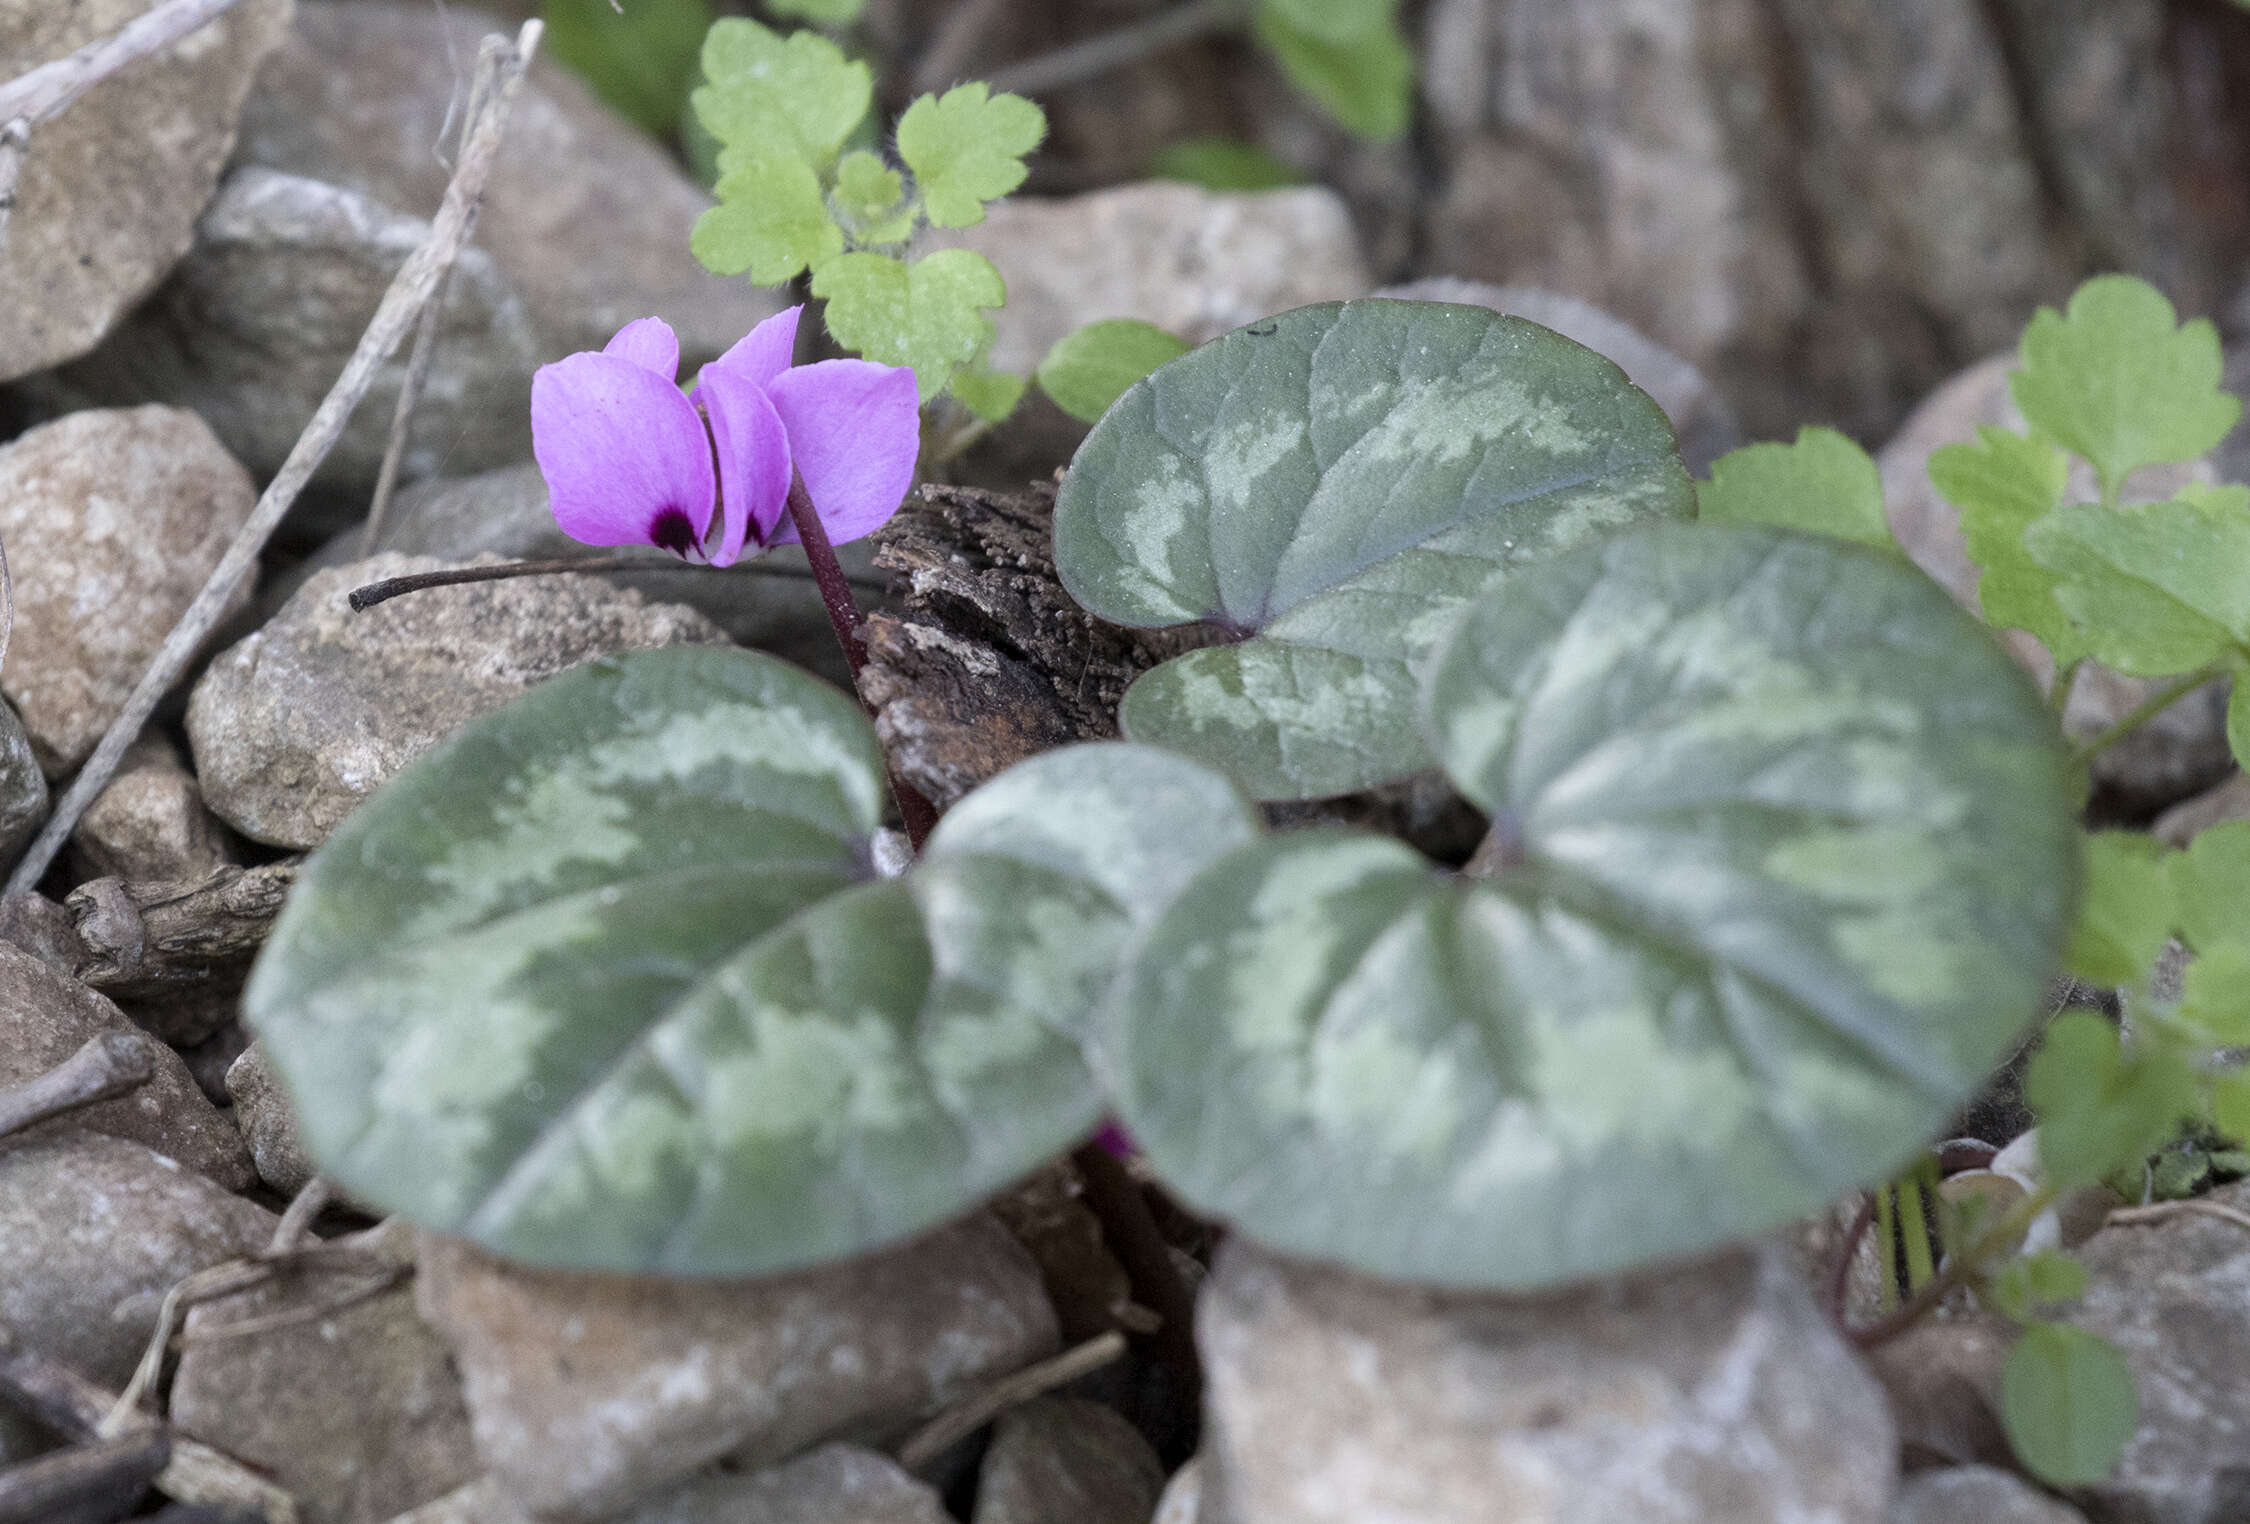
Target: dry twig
pixel 47 91
pixel 973 1412
pixel 2165 1211
pixel 416 281
pixel 110 1065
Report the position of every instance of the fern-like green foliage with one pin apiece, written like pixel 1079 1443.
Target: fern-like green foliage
pixel 796 195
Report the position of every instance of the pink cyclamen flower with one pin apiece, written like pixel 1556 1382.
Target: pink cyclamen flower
pixel 630 461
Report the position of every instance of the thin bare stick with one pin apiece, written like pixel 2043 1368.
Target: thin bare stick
pixel 102 1478
pixel 108 1066
pixel 296 1222
pixel 425 335
pixel 976 1410
pixel 1113 50
pixel 401 304
pixel 2165 1211
pixel 47 91
pixel 366 597
pixel 1114 1197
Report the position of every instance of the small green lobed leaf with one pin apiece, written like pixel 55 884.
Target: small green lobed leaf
pixel 2126 914
pixel 2208 887
pixel 1090 367
pixel 2215 995
pixel 1365 83
pixel 928 314
pixel 966 147
pixel 1339 21
pixel 1823 483
pixel 870 199
pixel 2103 1107
pixel 2027 1281
pixel 2068 1403
pixel 819 12
pixel 1330 486
pixel 793 97
pixel 639 59
pixel 2115 380
pixel 770 223
pixel 990 394
pixel 2003 484
pixel 2158 589
pixel 1788 855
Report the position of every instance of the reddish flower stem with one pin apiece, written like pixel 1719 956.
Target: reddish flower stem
pixel 915 811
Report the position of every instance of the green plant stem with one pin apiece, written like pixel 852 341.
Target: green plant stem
pixel 2156 703
pixel 1958 1270
pixel 1099 54
pixel 916 813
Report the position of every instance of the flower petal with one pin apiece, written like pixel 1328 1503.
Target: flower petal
pixel 855 429
pixel 649 343
pixel 753 454
pixel 625 457
pixel 765 351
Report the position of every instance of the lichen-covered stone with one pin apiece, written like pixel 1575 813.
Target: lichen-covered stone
pixel 113 520
pixel 295 725
pixel 150 823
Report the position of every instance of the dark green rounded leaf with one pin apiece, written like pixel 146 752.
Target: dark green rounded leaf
pixel 2069 1404
pixel 1327 488
pixel 1788 854
pixel 581 985
pixel 468 960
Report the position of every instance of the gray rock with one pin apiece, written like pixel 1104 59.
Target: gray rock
pixel 1063 1460
pixel 2190 818
pixel 1699 415
pixel 504 512
pixel 23 787
pixel 1704 1391
pixel 295 725
pixel 93 1232
pixel 2174 1297
pixel 45 1017
pixel 345 152
pixel 589 1392
pixel 42 928
pixel 113 520
pixel 263 313
pixel 388 1430
pixel 1182 1502
pixel 110 189
pixel 2181 751
pixel 1195 263
pixel 835 1484
pixel 1943 1379
pixel 1977 1495
pixel 150 823
pixel 269 1127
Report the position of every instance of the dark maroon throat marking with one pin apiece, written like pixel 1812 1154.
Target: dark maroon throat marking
pixel 670 530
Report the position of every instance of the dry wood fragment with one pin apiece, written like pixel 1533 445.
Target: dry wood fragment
pixel 149 938
pixel 108 1066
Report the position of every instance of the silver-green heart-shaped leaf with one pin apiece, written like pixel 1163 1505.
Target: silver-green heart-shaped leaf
pixel 591 984
pixel 1327 487
pixel 1786 853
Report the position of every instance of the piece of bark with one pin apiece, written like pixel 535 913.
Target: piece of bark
pixel 151 939
pixel 979 658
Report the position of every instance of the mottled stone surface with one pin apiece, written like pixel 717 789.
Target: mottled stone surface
pixel 113 519
pixel 269 1127
pixel 45 1017
pixel 355 1412
pixel 150 823
pixel 589 1392
pixel 93 1231
pixel 110 189
pixel 1703 1391
pixel 835 1484
pixel 295 725
pixel 23 787
pixel 2174 1297
pixel 1063 1460
pixel 1977 1495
